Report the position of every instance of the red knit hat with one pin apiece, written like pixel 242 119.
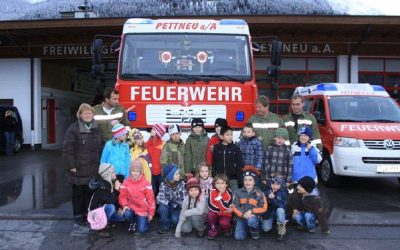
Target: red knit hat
pixel 193 183
pixel 160 129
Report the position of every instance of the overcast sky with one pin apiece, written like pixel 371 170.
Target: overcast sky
pixel 387 7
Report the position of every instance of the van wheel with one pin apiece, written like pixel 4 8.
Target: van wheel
pixel 17 146
pixel 328 178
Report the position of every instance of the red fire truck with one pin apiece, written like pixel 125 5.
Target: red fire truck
pixel 173 70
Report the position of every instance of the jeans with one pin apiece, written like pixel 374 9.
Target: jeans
pixel 223 221
pixel 280 217
pixel 253 223
pixel 195 221
pixel 168 215
pixel 10 142
pixel 305 220
pixel 142 222
pixel 156 182
pixel 112 214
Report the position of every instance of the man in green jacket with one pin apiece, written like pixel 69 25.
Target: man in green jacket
pixel 265 122
pixel 108 111
pixel 299 118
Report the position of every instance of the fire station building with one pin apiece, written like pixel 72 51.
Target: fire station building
pixel 45 65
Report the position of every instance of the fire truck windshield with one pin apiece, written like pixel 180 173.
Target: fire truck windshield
pixel 363 109
pixel 197 56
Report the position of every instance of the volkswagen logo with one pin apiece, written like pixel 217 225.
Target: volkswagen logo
pixel 388 144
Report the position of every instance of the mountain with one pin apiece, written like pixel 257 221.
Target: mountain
pixel 354 7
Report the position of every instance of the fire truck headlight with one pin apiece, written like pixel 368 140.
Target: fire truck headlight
pixel 346 142
pixel 132 116
pixel 239 116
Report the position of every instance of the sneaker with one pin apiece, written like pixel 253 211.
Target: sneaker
pixel 311 230
pixel 280 237
pixel 255 235
pixel 325 232
pixel 132 228
pixel 229 233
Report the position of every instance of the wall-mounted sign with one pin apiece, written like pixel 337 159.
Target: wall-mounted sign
pixel 72 50
pixel 301 48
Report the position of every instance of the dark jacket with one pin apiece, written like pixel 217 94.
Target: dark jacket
pixel 310 203
pixel 10 124
pixel 227 159
pixel 81 150
pixel 280 201
pixel 103 195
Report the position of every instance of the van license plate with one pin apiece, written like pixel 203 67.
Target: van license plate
pixel 388 168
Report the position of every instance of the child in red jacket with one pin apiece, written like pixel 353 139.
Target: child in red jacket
pixel 219 204
pixel 137 199
pixel 154 147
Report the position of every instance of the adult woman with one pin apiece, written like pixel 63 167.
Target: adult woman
pixel 81 154
pixel 10 126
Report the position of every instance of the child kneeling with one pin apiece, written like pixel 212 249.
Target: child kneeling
pixel 194 210
pixel 277 196
pixel 137 199
pixel 249 204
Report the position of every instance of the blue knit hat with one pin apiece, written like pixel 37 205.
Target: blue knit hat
pixel 305 131
pixel 169 172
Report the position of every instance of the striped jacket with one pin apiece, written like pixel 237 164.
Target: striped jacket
pixel 244 201
pixel 220 204
pixel 104 120
pixel 265 127
pixel 278 161
pixel 305 119
pixel 252 151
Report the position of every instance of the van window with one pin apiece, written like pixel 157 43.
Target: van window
pixel 319 110
pixel 363 109
pixel 307 105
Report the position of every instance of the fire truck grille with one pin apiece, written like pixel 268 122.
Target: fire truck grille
pixel 168 114
pixel 381 160
pixel 382 144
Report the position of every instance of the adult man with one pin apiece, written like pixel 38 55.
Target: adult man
pixel 299 118
pixel 109 111
pixel 265 122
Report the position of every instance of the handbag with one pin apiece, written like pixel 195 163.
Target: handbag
pixel 97 217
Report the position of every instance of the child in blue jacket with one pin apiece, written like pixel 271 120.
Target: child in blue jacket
pixel 305 156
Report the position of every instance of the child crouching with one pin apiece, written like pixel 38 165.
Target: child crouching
pixel 137 199
pixel 219 204
pixel 249 204
pixel 170 197
pixel 194 210
pixel 277 196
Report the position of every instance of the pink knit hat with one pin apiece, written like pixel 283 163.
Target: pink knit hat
pixel 160 129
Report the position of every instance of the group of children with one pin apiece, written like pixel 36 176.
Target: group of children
pixel 208 185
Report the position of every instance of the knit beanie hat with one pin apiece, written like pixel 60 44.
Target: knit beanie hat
pixel 169 172
pixel 307 183
pixel 160 130
pixel 173 129
pixel 106 170
pixel 305 131
pixel 252 171
pixel 220 122
pixel 118 130
pixel 282 132
pixel 278 180
pixel 197 122
pixel 192 183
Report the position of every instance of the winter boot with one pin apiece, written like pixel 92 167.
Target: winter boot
pixel 281 231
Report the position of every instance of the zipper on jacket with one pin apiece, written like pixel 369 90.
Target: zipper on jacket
pixel 224 163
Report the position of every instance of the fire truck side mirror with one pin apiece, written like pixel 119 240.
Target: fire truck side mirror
pixel 276 52
pixel 97 66
pixel 272 71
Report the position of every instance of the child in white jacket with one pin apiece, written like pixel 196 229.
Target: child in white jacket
pixel 194 210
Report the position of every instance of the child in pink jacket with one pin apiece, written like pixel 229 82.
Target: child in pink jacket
pixel 137 199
